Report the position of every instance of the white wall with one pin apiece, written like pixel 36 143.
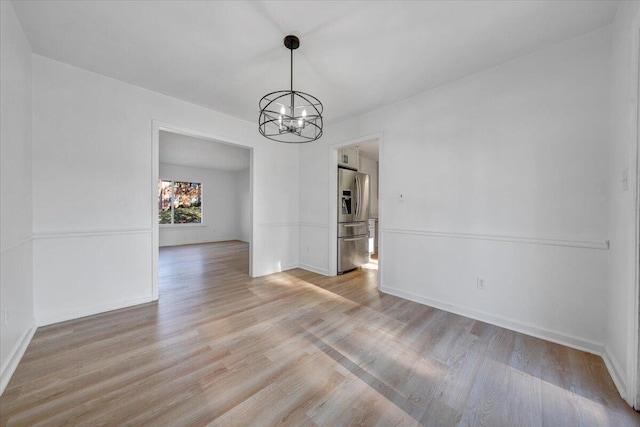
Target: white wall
pixel 16 288
pixel 221 194
pixel 243 204
pixel 92 137
pixel 504 175
pixel 371 167
pixel 621 298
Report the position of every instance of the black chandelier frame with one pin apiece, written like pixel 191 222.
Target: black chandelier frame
pixel 279 119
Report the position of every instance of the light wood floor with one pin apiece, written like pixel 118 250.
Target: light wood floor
pixel 296 348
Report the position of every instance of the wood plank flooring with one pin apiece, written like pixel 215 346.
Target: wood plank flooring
pixel 299 349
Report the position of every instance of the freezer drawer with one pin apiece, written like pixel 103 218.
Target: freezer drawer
pixel 352 252
pixel 350 229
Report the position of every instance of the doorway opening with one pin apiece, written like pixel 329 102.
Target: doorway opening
pixel 635 377
pixel 202 209
pixel 359 161
pixel 633 396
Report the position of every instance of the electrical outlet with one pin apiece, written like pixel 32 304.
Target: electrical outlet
pixel 481 283
pixel 5 316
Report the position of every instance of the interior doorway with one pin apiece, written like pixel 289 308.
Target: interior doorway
pixel 634 390
pixel 362 155
pixel 635 400
pixel 202 205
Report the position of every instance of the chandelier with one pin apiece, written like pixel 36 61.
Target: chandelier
pixel 288 115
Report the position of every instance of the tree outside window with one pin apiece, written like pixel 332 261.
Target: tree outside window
pixel 179 202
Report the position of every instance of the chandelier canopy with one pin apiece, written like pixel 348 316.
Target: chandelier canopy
pixel 290 116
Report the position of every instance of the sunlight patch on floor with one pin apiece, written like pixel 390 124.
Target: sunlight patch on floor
pixel 372 264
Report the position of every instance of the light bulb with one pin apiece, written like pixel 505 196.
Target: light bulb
pixel 282 110
pixel 299 123
pixel 304 113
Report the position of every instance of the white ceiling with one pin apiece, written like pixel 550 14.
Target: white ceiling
pixel 354 56
pixel 185 150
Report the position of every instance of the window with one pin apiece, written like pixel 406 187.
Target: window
pixel 179 202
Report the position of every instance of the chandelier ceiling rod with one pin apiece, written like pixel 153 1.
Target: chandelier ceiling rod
pixel 293 102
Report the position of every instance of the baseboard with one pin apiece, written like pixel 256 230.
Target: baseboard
pixel 314 269
pixel 613 366
pixel 289 266
pixel 282 268
pixel 528 329
pixel 90 311
pixel 16 355
pixel 220 239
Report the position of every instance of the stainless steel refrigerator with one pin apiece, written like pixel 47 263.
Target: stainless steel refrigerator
pixel 353 217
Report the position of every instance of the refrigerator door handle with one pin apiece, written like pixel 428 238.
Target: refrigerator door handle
pixel 355 238
pixel 350 225
pixel 357 197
